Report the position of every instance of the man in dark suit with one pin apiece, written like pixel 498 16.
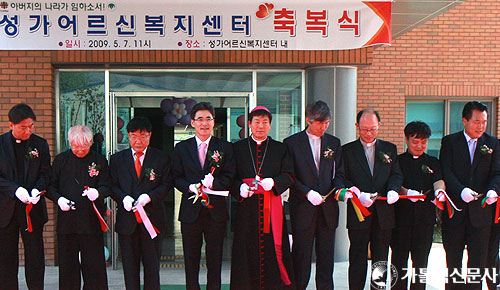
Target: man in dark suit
pixel 370 165
pixel 470 160
pixel 79 184
pixel 24 169
pixel 141 178
pixel 203 161
pixel 318 169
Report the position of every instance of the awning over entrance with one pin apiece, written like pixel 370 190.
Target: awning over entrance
pixel 408 14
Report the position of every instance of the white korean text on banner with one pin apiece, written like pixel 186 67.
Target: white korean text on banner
pixel 194 25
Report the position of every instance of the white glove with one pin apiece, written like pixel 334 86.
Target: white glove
pixel 144 199
pixel 347 195
pixel 194 187
pixel 355 190
pixel 365 199
pixel 34 196
pixel 392 197
pixel 64 203
pixel 208 181
pixel 128 201
pixel 267 183
pixel 412 192
pixel 22 194
pixel 491 197
pixel 466 195
pixel 439 194
pixel 91 193
pixel 245 190
pixel 314 198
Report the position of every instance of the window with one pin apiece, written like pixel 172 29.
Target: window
pixel 444 117
pixel 81 102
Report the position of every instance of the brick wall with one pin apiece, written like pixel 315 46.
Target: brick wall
pixel 27 76
pixel 456 54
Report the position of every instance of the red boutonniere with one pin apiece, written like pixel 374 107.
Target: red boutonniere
pixel 32 153
pixel 328 153
pixel 215 158
pixel 93 169
pixel 151 174
pixel 485 149
pixel 384 157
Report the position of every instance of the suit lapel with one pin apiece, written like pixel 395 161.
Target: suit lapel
pixel 147 163
pixel 477 153
pixel 363 163
pixel 193 151
pixel 322 160
pixel 376 160
pixel 308 156
pixel 27 161
pixel 212 146
pixel 130 161
pixel 463 148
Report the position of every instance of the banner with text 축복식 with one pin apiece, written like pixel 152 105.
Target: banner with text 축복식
pixel 194 25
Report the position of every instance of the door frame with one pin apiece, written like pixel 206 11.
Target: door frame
pixel 112 132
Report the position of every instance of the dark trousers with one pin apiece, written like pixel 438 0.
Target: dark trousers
pixel 139 247
pixel 192 239
pixel 303 240
pixel 455 237
pixel 379 240
pixel 416 240
pixel 492 264
pixel 34 258
pixel 90 247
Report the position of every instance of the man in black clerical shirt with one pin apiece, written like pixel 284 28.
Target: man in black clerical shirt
pixel 415 217
pixel 24 175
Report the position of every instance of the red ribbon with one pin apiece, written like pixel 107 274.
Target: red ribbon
pixel 273 217
pixel 29 207
pixel 139 221
pixel 357 202
pixel 104 226
pixel 497 208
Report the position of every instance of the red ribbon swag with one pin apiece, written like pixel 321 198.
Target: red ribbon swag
pixel 273 217
pixel 29 207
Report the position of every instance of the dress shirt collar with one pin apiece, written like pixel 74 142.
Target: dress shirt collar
pixel 198 141
pixel 133 152
pixel 312 136
pixel 368 145
pixel 468 138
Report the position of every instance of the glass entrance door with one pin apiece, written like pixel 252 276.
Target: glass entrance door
pixel 168 130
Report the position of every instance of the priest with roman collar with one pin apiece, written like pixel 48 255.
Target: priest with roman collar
pixel 261 257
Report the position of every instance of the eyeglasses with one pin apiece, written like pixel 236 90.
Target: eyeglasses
pixel 204 120
pixel 139 136
pixel 373 130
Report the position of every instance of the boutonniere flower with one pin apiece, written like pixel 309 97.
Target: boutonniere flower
pixel 32 153
pixel 384 157
pixel 151 174
pixel 328 153
pixel 485 149
pixel 215 158
pixel 93 169
pixel 426 169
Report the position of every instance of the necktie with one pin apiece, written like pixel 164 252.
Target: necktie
pixel 472 149
pixel 202 153
pixel 137 163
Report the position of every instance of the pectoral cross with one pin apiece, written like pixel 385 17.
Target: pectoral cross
pixel 255 183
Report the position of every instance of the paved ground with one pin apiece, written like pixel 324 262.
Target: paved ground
pixel 435 280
